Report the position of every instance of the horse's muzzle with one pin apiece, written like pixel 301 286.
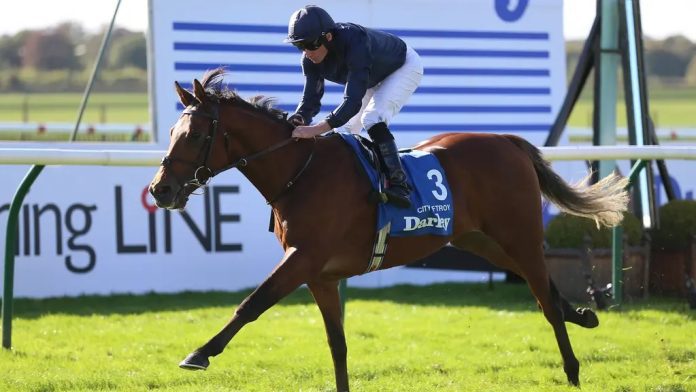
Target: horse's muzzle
pixel 167 195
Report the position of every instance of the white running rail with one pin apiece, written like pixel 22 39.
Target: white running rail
pixel 64 156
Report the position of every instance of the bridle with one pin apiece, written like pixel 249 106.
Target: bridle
pixel 202 168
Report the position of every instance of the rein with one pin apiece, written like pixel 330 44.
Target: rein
pixel 297 175
pixel 203 169
pixel 241 162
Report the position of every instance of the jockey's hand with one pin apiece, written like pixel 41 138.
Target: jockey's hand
pixel 296 119
pixel 310 131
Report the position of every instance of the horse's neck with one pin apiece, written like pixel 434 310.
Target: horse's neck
pixel 271 172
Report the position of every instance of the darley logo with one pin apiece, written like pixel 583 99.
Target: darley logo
pixel 415 223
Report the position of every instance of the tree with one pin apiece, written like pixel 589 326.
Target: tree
pixel 49 50
pixel 669 57
pixel 691 73
pixel 678 44
pixel 10 52
pixel 129 51
pixel 666 63
pixel 92 42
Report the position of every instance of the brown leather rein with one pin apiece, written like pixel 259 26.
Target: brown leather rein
pixel 203 173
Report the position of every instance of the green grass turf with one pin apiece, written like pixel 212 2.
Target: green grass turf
pixel 447 337
pixel 112 108
pixel 665 113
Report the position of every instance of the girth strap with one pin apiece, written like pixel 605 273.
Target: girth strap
pixel 379 249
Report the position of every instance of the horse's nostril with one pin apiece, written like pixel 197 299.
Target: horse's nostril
pixel 161 190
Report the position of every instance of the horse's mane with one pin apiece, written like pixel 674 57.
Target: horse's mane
pixel 217 91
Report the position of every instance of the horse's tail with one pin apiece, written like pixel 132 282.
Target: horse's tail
pixel 605 201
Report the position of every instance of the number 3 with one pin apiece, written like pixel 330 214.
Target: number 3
pixel 437 176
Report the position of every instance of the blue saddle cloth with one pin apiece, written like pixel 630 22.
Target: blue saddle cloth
pixel 431 200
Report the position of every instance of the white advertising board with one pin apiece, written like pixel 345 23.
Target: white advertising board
pixel 490 66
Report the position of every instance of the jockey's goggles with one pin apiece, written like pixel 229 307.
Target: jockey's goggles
pixel 308 45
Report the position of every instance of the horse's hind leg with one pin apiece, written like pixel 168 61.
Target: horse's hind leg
pixel 327 298
pixel 525 257
pixel 584 317
pixel 552 304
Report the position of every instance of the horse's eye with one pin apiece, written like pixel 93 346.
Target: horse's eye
pixel 193 135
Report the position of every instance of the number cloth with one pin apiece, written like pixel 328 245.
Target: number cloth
pixel 431 201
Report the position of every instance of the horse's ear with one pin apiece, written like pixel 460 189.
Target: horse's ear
pixel 198 90
pixel 185 96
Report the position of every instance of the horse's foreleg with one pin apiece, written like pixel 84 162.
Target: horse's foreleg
pixel 327 298
pixel 286 277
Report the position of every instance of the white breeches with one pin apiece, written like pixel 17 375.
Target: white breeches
pixel 383 101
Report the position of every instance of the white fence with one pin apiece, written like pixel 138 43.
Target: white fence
pixel 51 127
pixel 65 156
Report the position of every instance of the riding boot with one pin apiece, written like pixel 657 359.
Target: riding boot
pixel 399 190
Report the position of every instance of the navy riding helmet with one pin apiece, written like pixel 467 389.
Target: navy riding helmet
pixel 307 27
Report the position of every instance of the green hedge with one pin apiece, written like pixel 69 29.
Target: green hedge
pixel 568 231
pixel 677 222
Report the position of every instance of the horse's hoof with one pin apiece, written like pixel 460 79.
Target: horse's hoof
pixel 195 361
pixel 572 371
pixel 589 318
pixel 574 382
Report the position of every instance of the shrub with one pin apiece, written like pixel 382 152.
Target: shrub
pixel 568 231
pixel 677 223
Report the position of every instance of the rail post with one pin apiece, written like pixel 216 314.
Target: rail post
pixel 617 254
pixel 25 109
pixel 10 237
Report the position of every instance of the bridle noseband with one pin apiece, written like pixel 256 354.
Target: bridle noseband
pixel 203 169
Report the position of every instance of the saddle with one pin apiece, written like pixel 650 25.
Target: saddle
pixel 431 203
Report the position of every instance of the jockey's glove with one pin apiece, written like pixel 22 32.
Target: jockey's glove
pixel 296 119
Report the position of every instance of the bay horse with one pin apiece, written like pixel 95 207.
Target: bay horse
pixel 326 225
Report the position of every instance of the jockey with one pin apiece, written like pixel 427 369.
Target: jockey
pixel 379 71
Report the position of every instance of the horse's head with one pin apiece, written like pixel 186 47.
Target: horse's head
pixel 197 147
pixel 218 130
